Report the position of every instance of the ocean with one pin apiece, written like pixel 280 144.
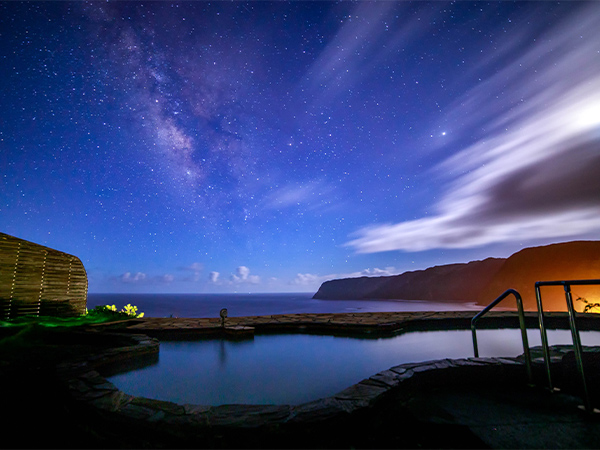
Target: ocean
pixel 239 305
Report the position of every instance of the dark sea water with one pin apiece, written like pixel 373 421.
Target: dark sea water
pixel 238 305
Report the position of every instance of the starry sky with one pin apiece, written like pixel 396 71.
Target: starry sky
pixel 269 146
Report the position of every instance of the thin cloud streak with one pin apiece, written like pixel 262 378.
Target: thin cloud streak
pixel 311 195
pixel 144 279
pixel 314 280
pixel 533 172
pixel 360 46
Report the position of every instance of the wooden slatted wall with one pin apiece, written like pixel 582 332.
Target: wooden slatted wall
pixel 39 280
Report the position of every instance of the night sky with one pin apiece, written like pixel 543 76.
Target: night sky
pixel 267 147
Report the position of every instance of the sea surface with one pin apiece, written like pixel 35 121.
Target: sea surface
pixel 239 305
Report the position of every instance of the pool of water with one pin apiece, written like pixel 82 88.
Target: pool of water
pixel 297 368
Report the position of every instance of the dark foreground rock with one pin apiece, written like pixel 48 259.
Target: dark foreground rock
pixel 460 403
pixel 60 392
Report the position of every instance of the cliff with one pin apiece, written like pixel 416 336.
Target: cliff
pixel 450 282
pixel 577 260
pixel 483 281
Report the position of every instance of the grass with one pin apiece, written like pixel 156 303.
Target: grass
pixel 44 340
pixel 33 396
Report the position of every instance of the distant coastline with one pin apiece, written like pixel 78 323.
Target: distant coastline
pixel 482 281
pixel 243 305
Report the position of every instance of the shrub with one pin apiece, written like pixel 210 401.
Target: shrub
pixel 111 311
pixel 589 306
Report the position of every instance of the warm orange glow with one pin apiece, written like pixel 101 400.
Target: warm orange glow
pixel 588 304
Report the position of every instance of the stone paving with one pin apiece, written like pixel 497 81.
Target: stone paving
pixel 435 392
pixel 353 323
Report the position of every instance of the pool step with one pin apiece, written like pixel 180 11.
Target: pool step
pixel 239 330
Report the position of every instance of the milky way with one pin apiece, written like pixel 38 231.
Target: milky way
pixel 215 147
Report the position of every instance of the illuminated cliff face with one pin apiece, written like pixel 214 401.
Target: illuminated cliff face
pixel 483 281
pixel 567 261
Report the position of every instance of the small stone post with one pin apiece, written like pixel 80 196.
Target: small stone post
pixel 223 314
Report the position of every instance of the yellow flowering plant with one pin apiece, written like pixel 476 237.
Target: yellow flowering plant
pixel 128 310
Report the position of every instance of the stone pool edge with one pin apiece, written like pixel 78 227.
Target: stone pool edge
pixel 364 324
pixel 87 386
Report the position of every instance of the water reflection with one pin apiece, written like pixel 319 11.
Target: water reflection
pixel 222 353
pixel 297 368
pixel 225 346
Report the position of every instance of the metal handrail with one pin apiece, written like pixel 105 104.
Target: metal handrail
pixel 574 331
pixel 521 325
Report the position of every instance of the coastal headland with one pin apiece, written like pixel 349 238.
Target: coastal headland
pixel 483 281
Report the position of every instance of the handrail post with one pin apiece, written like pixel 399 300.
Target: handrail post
pixel 577 346
pixel 544 335
pixel 577 349
pixel 474 334
pixel 526 352
pixel 521 313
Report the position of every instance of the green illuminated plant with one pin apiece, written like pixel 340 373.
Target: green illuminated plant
pixel 132 311
pixel 111 310
pixel 99 314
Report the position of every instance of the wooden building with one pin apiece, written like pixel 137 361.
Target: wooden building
pixel 40 281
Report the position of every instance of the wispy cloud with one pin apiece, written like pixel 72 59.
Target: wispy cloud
pixel 141 278
pixel 128 277
pixel 314 281
pixel 310 194
pixel 243 276
pixel 167 278
pixel 196 269
pixel 361 44
pixel 533 173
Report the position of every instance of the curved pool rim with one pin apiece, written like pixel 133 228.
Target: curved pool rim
pixel 87 385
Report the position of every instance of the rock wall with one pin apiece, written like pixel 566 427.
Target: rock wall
pixel 577 260
pixel 483 281
pixel 451 282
